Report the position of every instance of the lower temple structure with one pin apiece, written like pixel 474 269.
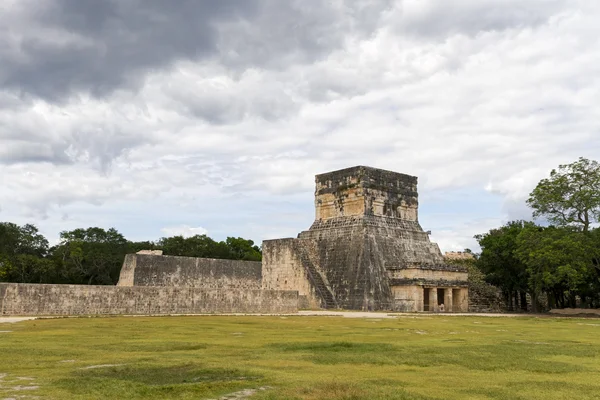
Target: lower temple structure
pixel 365 250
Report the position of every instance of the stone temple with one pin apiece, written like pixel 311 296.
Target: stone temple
pixel 365 250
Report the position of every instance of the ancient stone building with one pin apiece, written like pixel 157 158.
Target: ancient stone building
pixel 151 283
pixel 365 250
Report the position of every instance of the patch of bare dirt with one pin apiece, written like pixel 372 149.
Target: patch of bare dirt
pixel 101 366
pixel 242 394
pixel 12 320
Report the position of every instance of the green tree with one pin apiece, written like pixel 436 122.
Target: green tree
pixel 134 247
pixel 203 246
pixel 91 256
pixel 243 249
pixel 499 262
pixel 560 263
pixel 26 239
pixel 22 255
pixel 570 196
pixel 194 246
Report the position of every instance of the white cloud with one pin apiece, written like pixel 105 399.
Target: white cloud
pixel 183 230
pixel 485 96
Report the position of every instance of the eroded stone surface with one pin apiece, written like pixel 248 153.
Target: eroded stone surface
pixel 40 299
pixel 207 273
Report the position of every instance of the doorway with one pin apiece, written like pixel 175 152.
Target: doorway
pixel 426 306
pixel 440 296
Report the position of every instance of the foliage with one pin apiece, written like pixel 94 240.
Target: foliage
pixel 570 196
pixel 26 239
pixel 498 259
pixel 94 255
pixel 204 246
pixel 22 252
pixel 91 256
pixel 559 262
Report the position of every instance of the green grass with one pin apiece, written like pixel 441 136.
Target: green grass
pixel 416 357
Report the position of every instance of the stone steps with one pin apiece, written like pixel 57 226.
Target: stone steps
pixel 327 298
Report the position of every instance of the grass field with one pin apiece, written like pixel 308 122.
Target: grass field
pixel 417 357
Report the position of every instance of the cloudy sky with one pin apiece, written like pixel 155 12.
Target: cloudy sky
pixel 189 116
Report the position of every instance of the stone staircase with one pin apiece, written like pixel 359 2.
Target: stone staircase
pixel 321 289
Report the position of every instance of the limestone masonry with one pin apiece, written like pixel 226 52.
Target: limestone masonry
pixel 38 299
pixel 145 269
pixel 364 251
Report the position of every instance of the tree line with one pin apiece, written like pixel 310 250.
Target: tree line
pixel 555 264
pixel 94 256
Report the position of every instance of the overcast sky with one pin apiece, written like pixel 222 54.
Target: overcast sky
pixel 189 116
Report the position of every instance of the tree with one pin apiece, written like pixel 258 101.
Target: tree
pixel 243 249
pixel 26 239
pixel 91 256
pixel 194 246
pixel 204 246
pixel 570 196
pixel 560 263
pixel 22 255
pixel 499 261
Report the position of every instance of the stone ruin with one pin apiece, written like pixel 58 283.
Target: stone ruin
pixel 366 249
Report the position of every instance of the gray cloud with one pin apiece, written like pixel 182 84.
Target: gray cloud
pixel 63 47
pixel 98 46
pixel 144 115
pixel 435 19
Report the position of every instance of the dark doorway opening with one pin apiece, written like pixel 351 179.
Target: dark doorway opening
pixel 426 299
pixel 440 296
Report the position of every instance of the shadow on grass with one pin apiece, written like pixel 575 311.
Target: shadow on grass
pixel 159 346
pixel 344 391
pixel 525 390
pixel 496 357
pixel 154 382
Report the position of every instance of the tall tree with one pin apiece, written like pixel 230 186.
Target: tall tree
pixel 570 196
pixel 499 261
pixel 91 256
pixel 560 263
pixel 26 239
pixel 22 255
pixel 243 249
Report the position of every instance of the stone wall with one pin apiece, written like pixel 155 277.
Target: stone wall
pixel 206 273
pixel 366 191
pixel 417 273
pixel 39 299
pixel 284 269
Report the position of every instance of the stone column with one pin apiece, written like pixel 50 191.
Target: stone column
pixel 433 300
pixel 448 299
pixel 464 298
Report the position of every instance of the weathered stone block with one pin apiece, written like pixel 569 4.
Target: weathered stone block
pixel 38 299
pixel 207 273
